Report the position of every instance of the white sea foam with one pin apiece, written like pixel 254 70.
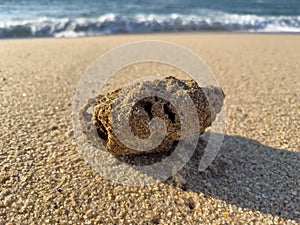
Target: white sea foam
pixel 147 23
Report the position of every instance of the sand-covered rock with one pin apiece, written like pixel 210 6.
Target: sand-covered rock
pixel 145 109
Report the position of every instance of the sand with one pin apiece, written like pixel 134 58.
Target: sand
pixel 255 179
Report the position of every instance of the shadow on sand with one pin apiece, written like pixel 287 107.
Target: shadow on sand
pixel 251 175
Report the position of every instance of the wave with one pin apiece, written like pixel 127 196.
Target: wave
pixel 142 23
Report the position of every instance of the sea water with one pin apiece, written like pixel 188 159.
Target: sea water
pixel 76 18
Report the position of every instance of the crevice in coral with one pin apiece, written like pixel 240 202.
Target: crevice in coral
pixel 102 132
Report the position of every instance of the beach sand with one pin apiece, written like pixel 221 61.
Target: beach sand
pixel 44 180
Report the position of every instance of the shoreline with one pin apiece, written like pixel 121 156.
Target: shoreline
pixel 213 33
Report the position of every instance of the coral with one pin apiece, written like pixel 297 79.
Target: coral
pixel 207 101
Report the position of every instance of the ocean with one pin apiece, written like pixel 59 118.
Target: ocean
pixel 78 18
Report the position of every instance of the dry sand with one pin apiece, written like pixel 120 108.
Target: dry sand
pixel 255 179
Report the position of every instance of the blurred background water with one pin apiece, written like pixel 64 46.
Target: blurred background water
pixel 76 18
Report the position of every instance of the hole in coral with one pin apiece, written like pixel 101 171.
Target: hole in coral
pixel 170 114
pixel 148 107
pixel 175 143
